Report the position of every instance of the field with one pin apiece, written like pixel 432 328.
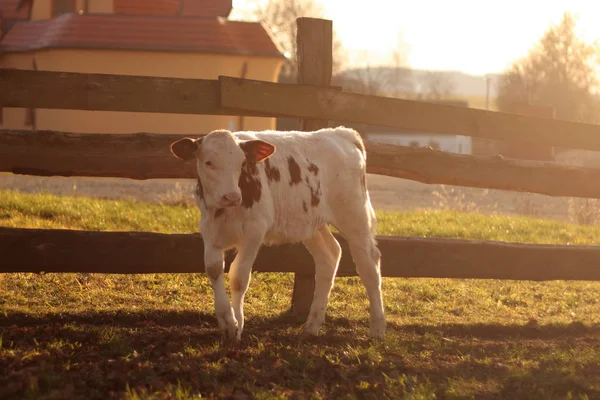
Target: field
pixel 154 336
pixel 389 194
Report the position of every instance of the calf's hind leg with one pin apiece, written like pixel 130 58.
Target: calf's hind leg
pixel 356 225
pixel 326 252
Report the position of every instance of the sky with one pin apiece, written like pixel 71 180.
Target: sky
pixel 473 36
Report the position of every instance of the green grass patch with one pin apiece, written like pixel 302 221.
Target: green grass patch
pixel 83 213
pixel 155 336
pixel 50 211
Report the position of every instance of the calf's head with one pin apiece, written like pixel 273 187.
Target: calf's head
pixel 220 157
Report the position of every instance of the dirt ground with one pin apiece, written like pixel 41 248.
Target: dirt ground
pixel 386 194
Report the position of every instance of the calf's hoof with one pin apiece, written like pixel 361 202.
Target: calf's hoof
pixel 311 330
pixel 229 328
pixel 231 333
pixel 377 330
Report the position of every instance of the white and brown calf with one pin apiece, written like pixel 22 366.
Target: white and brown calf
pixel 274 187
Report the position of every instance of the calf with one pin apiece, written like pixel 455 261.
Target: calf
pixel 249 194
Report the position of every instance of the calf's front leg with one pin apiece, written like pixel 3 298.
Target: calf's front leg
pixel 239 275
pixel 214 263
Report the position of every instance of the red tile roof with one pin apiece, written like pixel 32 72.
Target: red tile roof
pixel 8 9
pixel 189 34
pixel 201 8
pixel 147 7
pixel 196 8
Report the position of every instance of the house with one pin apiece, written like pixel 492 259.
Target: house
pixel 439 141
pixel 166 38
pixel 459 144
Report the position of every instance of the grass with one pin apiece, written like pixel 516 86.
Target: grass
pixel 154 335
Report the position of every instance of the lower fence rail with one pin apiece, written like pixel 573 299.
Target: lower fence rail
pixel 52 250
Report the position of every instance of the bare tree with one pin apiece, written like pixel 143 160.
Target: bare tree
pixel 364 78
pixel 438 86
pixel 279 16
pixel 390 76
pixel 560 71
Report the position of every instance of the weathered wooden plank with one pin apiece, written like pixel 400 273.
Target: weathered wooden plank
pixel 314 43
pixel 136 156
pixel 39 250
pixel 147 156
pixel 323 103
pixel 438 167
pixel 104 92
pixel 57 250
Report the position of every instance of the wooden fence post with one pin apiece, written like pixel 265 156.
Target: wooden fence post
pixel 314 55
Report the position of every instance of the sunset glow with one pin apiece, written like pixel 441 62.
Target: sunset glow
pixel 473 36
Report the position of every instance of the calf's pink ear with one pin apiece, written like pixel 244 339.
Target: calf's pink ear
pixel 186 148
pixel 257 150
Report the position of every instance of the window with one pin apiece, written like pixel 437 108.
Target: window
pixel 63 7
pixel 30 117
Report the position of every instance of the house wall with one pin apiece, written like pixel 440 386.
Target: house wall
pixel 176 65
pixel 100 6
pixel 41 9
pixel 450 143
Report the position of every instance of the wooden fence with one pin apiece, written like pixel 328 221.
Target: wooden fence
pixel 147 156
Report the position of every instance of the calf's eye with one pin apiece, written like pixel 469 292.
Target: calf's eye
pixel 208 163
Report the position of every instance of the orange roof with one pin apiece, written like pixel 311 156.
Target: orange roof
pixel 201 8
pixel 188 34
pixel 196 8
pixel 147 7
pixel 14 9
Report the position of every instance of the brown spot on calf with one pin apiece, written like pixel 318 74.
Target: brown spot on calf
pixel 295 174
pixel 315 195
pixel 250 185
pixel 272 173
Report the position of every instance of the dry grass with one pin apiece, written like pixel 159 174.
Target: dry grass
pixel 584 211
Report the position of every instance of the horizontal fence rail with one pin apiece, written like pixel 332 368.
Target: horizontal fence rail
pixel 104 92
pixel 38 250
pixel 136 156
pixel 242 95
pixel 439 167
pixel 147 156
pixel 237 96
